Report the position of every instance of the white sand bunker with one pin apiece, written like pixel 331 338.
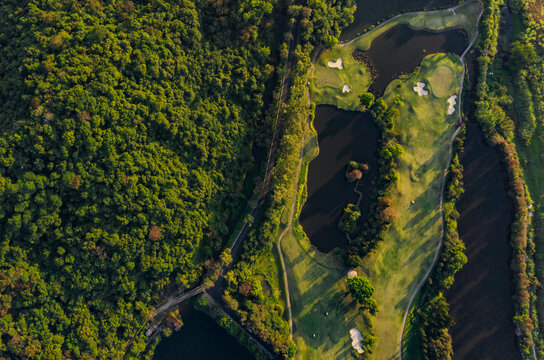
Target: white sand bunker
pixel 346 88
pixel 420 89
pixel 452 101
pixel 352 274
pixel 339 64
pixel 356 338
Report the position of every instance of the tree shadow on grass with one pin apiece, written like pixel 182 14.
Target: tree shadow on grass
pixel 321 298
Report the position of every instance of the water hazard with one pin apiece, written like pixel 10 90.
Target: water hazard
pixel 370 12
pixel 343 136
pixel 481 296
pixel 400 50
pixel 200 338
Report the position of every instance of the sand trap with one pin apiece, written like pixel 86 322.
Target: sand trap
pixel 452 101
pixel 419 89
pixel 352 274
pixel 338 64
pixel 346 88
pixel 356 338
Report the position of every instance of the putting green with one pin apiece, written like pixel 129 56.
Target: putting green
pixel 441 81
pixel 355 74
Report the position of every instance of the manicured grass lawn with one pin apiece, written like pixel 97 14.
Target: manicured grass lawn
pixel 403 258
pixel 326 83
pixel 317 284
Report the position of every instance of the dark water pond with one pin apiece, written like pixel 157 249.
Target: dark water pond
pixel 343 136
pixel 401 49
pixel 481 296
pixel 369 12
pixel 200 338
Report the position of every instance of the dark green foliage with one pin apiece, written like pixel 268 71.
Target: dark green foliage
pixel 435 336
pixel 322 21
pixel 126 130
pixel 348 221
pixel 523 73
pixel 215 312
pixel 261 314
pixel 362 290
pixel 367 100
pixel 381 213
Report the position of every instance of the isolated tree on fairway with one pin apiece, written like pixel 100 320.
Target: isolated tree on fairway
pixel 362 290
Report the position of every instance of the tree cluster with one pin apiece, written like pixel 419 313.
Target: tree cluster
pixel 126 130
pixel 362 290
pixel 314 24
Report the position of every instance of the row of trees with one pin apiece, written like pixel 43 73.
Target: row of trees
pixel 492 105
pixel 126 128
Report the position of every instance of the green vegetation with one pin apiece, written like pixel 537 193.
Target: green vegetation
pixel 361 289
pixel 425 130
pixel 315 21
pixel 213 310
pixel 326 83
pixel 127 130
pixel 348 221
pixel 320 302
pixel 512 84
pixel 429 322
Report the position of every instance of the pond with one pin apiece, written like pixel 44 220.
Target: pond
pixel 370 12
pixel 342 136
pixel 200 338
pixel 481 296
pixel 345 135
pixel 400 50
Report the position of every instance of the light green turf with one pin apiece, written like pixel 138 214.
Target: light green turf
pixel 408 249
pixel 317 281
pixel 326 83
pixel 317 284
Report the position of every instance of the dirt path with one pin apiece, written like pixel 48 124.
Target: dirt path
pixel 444 177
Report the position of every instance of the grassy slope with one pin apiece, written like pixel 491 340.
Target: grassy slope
pixel 326 83
pixel 404 256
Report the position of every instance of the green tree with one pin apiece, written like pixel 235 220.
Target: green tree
pixel 362 290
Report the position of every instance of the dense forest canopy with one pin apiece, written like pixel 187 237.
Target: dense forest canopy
pixel 126 135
